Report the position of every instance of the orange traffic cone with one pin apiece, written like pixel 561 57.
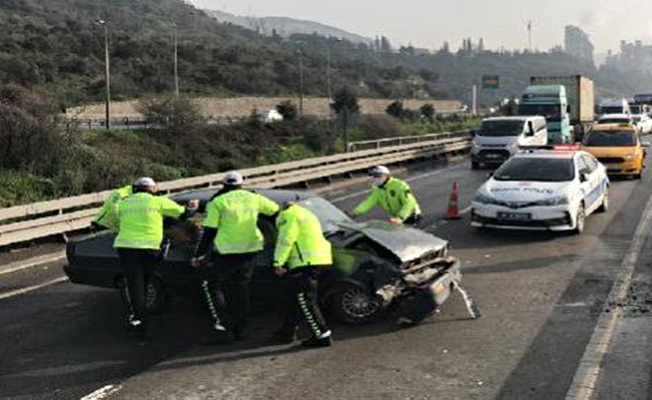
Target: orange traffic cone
pixel 453 211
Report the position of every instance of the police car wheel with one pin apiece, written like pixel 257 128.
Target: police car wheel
pixel 154 297
pixel 354 304
pixel 579 220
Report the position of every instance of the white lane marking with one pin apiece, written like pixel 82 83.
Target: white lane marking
pixel 102 393
pixel 413 178
pixel 33 262
pixel 32 288
pixel 586 377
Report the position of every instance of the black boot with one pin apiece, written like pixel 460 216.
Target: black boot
pixel 317 342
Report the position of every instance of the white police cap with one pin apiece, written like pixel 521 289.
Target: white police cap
pixel 144 181
pixel 379 170
pixel 233 178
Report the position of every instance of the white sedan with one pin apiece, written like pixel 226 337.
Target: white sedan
pixel 542 190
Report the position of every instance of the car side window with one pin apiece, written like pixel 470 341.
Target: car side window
pixel 587 164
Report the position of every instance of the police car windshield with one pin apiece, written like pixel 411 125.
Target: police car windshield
pixel 610 139
pixel 536 169
pixel 501 128
pixel 328 214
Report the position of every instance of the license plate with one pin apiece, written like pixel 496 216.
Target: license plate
pixel 493 156
pixel 510 216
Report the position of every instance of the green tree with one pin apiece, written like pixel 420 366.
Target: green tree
pixel 288 110
pixel 428 111
pixel 395 109
pixel 177 115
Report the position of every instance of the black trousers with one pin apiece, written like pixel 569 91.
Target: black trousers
pixel 225 288
pixel 138 266
pixel 413 220
pixel 302 301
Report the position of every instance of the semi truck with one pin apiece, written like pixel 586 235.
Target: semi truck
pixel 567 100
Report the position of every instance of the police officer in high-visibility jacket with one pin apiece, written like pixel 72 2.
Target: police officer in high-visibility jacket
pixel 140 235
pixel 231 229
pixel 301 253
pixel 393 195
pixel 107 217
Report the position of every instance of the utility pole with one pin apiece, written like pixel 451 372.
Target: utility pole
pixel 107 73
pixel 474 106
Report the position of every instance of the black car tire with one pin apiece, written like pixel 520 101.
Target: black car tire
pixel 580 220
pixel 155 297
pixel 354 304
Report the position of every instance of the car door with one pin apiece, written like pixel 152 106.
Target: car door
pixel 591 181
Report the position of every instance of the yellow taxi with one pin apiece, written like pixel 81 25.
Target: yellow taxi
pixel 618 147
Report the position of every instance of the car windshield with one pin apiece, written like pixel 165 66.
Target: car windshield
pixel 328 214
pixel 610 139
pixel 552 112
pixel 612 110
pixel 536 169
pixel 613 121
pixel 501 128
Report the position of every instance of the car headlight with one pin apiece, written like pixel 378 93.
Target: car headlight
pixel 484 199
pixel 553 201
pixel 630 157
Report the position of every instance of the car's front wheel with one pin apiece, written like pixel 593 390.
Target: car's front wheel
pixel 354 304
pixel 579 220
pixel 154 296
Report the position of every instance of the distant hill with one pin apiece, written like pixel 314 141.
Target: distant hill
pixel 285 27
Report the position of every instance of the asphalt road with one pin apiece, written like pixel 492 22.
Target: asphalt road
pixel 541 296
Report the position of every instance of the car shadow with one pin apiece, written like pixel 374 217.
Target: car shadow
pixel 73 343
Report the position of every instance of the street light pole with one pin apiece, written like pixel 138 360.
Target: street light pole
pixel 300 84
pixel 176 62
pixel 328 78
pixel 107 74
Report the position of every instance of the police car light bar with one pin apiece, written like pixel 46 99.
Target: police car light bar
pixel 557 147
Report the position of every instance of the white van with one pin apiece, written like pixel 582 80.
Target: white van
pixel 613 106
pixel 500 137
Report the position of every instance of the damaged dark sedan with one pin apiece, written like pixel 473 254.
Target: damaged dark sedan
pixel 375 264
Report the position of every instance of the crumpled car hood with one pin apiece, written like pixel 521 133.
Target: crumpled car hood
pixel 406 243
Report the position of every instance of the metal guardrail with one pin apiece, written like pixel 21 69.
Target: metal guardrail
pixel 37 220
pixel 399 141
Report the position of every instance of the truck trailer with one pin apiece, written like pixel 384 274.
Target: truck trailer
pixel 580 95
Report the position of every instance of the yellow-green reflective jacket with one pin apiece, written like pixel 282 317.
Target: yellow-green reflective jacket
pixel 394 197
pixel 300 241
pixel 107 216
pixel 140 219
pixel 235 216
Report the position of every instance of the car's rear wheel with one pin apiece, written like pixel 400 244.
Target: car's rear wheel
pixel 154 296
pixel 580 218
pixel 354 304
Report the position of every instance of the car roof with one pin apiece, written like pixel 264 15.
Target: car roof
pixel 512 118
pixel 277 195
pixel 613 127
pixel 615 115
pixel 555 154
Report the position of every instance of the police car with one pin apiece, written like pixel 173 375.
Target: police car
pixel 542 189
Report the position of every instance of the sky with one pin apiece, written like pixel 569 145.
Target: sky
pixel 428 23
